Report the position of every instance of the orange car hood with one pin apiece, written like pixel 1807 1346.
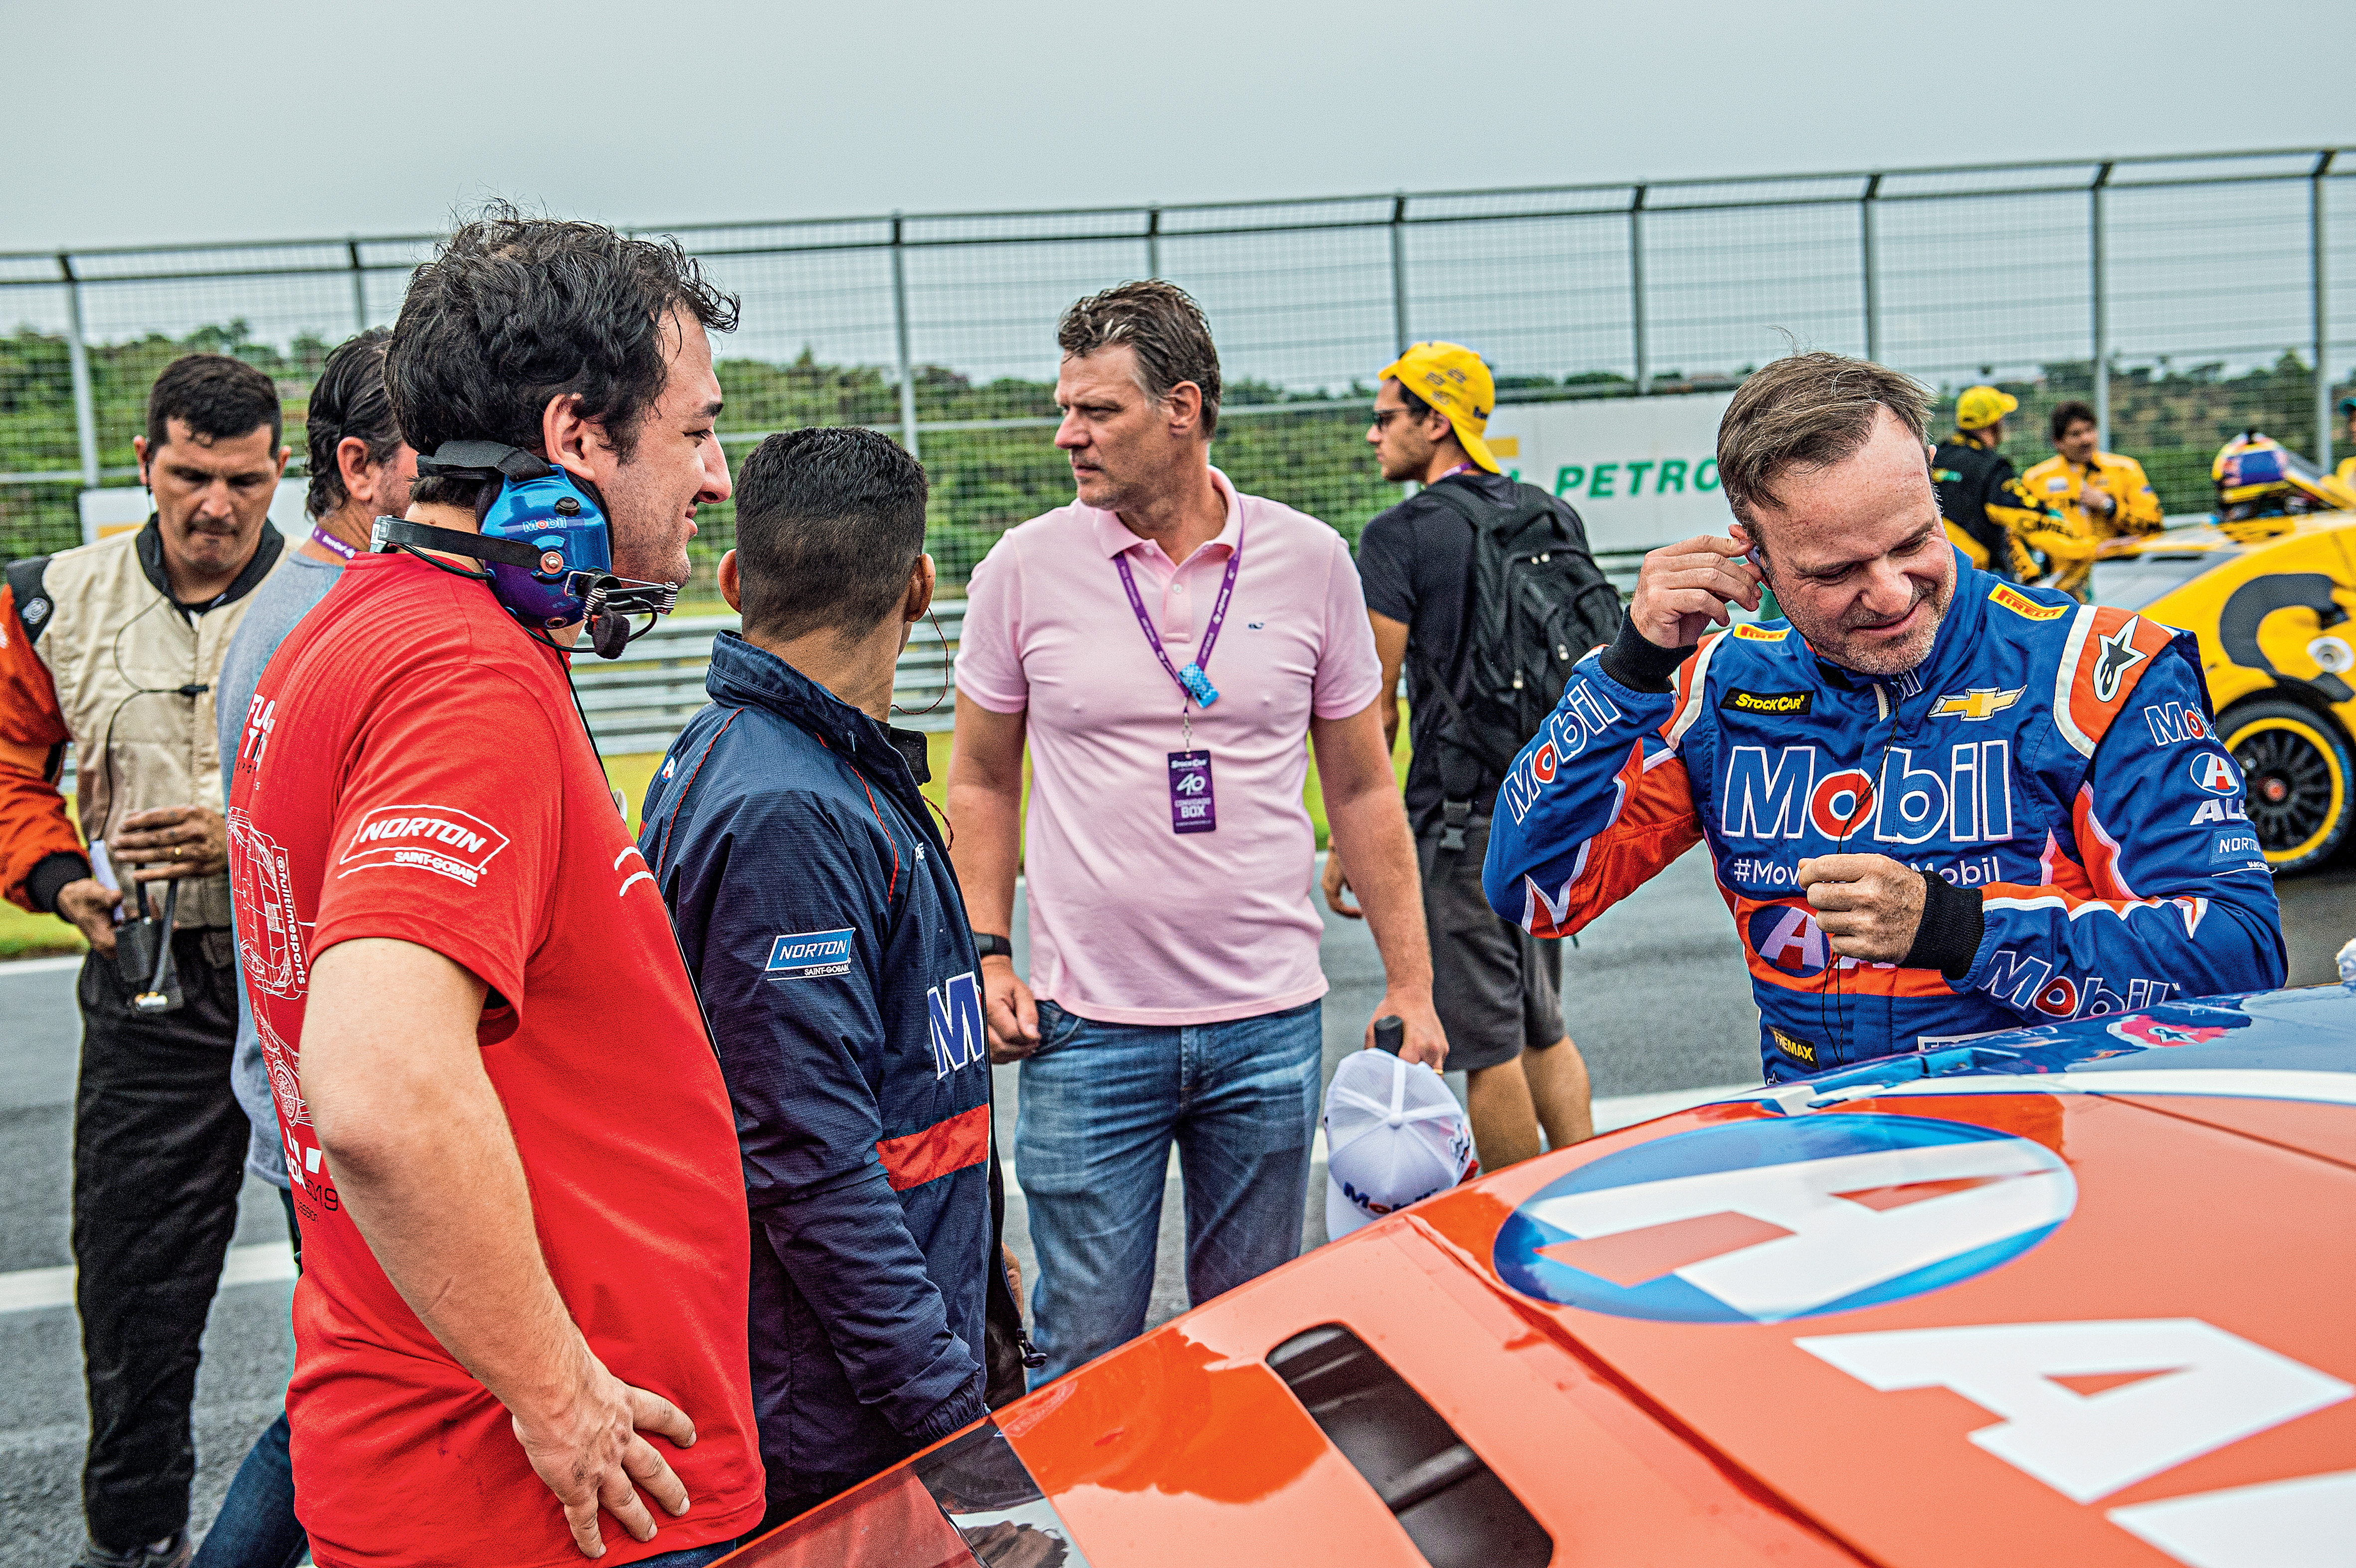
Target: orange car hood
pixel 2074 1295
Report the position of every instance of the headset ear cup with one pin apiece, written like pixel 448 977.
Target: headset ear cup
pixel 609 634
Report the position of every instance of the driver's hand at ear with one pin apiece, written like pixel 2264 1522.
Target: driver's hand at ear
pixel 1683 589
pixel 1867 905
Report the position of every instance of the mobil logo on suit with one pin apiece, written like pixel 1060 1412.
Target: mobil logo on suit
pixel 1961 793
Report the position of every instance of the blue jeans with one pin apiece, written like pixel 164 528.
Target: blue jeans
pixel 256 1527
pixel 693 1557
pixel 1099 1106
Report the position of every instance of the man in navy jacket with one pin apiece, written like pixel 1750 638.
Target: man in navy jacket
pixel 821 919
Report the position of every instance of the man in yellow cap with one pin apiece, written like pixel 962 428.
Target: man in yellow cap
pixel 2092 496
pixel 1497 989
pixel 1980 494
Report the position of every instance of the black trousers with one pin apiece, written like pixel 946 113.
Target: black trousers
pixel 159 1154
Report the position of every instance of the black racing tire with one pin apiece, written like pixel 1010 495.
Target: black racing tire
pixel 2298 778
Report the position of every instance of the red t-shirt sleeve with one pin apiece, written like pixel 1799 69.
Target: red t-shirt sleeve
pixel 447 818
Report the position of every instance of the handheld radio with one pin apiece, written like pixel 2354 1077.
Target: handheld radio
pixel 142 953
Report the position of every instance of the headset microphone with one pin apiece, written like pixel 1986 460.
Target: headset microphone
pixel 545 545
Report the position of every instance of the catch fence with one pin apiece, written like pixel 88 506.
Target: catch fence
pixel 2185 299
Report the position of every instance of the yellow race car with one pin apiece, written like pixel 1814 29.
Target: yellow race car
pixel 2268 585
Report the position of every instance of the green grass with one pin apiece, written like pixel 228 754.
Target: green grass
pixel 24 934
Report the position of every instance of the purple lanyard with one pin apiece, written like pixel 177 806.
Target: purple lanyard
pixel 1191 679
pixel 330 544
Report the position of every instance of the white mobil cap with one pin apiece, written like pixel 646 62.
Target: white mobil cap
pixel 1393 1134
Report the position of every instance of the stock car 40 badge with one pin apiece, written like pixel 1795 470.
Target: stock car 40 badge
pixel 1763 1220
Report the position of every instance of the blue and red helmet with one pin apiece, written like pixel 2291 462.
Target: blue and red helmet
pixel 2257 476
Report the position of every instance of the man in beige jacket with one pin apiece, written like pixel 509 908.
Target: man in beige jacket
pixel 114 647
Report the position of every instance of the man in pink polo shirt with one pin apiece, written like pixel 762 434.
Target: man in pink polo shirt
pixel 1165 644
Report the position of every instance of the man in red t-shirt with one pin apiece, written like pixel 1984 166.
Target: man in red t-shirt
pixel 523 1298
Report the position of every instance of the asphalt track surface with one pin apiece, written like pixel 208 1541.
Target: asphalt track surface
pixel 1655 996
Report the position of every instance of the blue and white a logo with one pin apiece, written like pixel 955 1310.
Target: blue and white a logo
pixel 1784 1216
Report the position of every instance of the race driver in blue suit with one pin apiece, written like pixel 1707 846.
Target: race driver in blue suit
pixel 1938 804
pixel 821 917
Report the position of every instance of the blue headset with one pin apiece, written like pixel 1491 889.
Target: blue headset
pixel 545 547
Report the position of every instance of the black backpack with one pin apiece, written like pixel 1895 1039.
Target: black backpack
pixel 1535 603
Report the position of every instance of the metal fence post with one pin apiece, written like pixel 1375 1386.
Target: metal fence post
pixel 2098 248
pixel 1637 287
pixel 1153 242
pixel 77 358
pixel 1398 272
pixel 360 288
pixel 1872 267
pixel 900 325
pixel 2319 274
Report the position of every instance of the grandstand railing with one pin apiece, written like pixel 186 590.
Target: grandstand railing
pixel 641 701
pixel 2177 295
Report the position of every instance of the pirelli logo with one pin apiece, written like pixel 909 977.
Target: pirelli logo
pixel 2021 604
pixel 1780 703
pixel 1746 632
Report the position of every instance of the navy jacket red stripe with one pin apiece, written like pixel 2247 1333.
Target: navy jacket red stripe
pixel 821 919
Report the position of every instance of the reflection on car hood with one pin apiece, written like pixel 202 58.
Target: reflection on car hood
pixel 2070 1294
pixel 2268 1045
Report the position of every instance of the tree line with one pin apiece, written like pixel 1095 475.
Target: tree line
pixel 1306 449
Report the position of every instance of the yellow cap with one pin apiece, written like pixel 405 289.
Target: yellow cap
pixel 1980 407
pixel 1453 380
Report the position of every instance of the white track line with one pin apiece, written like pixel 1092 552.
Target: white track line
pixel 37 965
pixel 35 1290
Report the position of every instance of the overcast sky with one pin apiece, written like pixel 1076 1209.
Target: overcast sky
pixel 143 123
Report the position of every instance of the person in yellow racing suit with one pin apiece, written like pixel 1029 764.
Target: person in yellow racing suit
pixel 2087 497
pixel 2347 465
pixel 1981 499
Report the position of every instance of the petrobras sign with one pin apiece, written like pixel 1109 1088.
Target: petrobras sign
pixel 123 509
pixel 1642 471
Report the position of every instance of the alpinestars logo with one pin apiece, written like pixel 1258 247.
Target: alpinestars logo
pixel 2119 655
pixel 453 844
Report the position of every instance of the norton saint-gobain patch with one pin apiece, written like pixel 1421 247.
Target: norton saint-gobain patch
pixel 810 955
pixel 441 838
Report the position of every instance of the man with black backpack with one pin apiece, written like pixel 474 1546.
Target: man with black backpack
pixel 1484 590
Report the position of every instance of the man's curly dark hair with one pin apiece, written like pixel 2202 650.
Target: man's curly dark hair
pixel 513 311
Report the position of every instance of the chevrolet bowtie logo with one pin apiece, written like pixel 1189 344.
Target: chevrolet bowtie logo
pixel 1976 704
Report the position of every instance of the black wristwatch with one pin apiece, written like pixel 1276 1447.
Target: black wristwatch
pixel 990 946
